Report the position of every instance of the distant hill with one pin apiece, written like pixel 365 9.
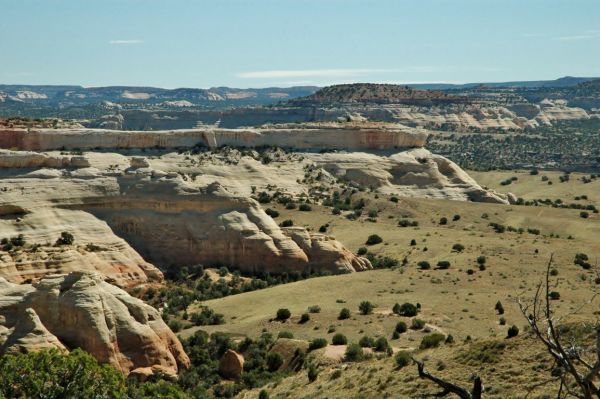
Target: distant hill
pixel 376 93
pixel 77 95
pixel 566 81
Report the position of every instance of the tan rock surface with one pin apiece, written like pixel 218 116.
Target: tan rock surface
pixel 81 310
pixel 231 365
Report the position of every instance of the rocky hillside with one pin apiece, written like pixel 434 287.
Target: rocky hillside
pixel 377 94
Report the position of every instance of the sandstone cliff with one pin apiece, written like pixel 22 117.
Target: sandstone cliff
pixel 80 310
pixel 339 136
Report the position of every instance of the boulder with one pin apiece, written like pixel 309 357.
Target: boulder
pixel 231 364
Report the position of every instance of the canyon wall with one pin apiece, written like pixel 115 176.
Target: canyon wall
pixel 332 136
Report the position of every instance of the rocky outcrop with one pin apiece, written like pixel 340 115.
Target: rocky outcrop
pixel 328 136
pixel 27 159
pixel 81 310
pixel 172 224
pixel 231 365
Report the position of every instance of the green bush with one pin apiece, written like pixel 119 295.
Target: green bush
pixel 366 342
pixel 354 353
pixel 406 309
pixel 401 327
pixel 304 318
pixel 402 359
pixel 65 238
pixel 283 314
pixel 263 394
pixel 314 309
pixel 381 344
pixel 53 374
pixel 417 324
pixel 362 251
pixel 274 361
pixel 374 239
pixel 339 339
pixel 272 212
pixel 287 223
pixel 458 247
pixel 285 334
pixel 344 314
pixel 313 373
pixel 304 208
pixel 513 331
pixel 317 343
pixel 443 264
pixel 554 295
pixel 424 265
pixel 499 308
pixel 366 307
pixel 432 341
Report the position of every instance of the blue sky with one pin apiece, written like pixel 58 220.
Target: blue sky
pixel 261 43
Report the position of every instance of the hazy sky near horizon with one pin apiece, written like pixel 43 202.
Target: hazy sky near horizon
pixel 261 43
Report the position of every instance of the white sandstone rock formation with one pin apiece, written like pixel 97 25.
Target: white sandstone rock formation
pixel 81 310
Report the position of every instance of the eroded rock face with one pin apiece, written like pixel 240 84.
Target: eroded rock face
pixel 172 224
pixel 81 310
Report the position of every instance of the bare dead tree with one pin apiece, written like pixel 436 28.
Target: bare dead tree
pixel 448 387
pixel 576 361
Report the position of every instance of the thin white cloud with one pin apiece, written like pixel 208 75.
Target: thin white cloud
pixel 311 73
pixel 126 41
pixel 578 37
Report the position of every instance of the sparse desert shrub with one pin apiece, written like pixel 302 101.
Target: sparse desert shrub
pixel 456 218
pixel 317 343
pixel 362 251
pixel 413 242
pixel 443 220
pixel 304 318
pixel 65 238
pixel 366 342
pixel 584 214
pixel 366 307
pixel 354 353
pixel 374 239
pixel 287 223
pixel 481 260
pixel 513 331
pixel 407 309
pixel 499 308
pixel 314 309
pixel 554 295
pixel 285 334
pixel 432 341
pixel 313 373
pixel 272 212
pixel 417 324
pixel 458 247
pixel 344 314
pixel 401 327
pixel 304 208
pixel 323 229
pixel 339 339
pixel 274 361
pixel 283 314
pixel 336 211
pixel 402 359
pixel 424 265
pixel 263 394
pixel 381 344
pixel 394 199
pixel 443 264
